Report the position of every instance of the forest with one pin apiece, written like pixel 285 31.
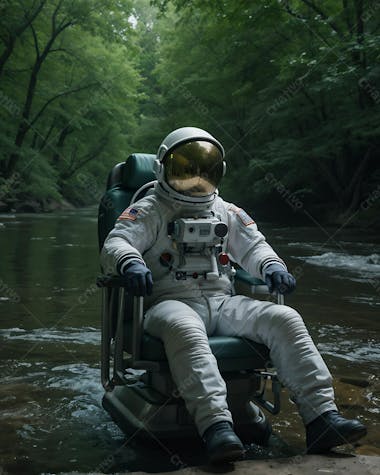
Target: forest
pixel 290 87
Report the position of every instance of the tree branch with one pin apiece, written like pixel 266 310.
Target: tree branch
pixel 53 37
pixel 57 96
pixel 65 132
pixel 325 17
pixel 292 12
pixel 46 137
pixel 88 157
pixel 10 41
pixel 329 177
pixel 359 20
pixel 29 20
pixel 361 168
pixel 35 39
pixel 55 50
pixel 303 19
pixel 347 16
pixel 54 16
pixel 24 125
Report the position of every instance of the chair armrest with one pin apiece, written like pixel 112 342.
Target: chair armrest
pixel 246 278
pixel 119 282
pixel 257 286
pixel 113 281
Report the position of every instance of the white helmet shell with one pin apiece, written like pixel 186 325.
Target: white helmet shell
pixel 176 138
pixel 185 134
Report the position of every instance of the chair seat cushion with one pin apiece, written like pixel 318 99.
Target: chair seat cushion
pixel 232 353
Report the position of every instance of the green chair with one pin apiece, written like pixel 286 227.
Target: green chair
pixel 139 392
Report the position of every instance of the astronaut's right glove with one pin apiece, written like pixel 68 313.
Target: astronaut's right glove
pixel 138 279
pixel 277 278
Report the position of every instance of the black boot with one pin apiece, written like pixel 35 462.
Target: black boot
pixel 331 429
pixel 222 444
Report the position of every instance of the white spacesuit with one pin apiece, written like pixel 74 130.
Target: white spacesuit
pixel 192 294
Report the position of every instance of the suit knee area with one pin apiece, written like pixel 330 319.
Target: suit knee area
pixel 186 328
pixel 287 319
pixel 168 313
pixel 187 336
pixel 175 319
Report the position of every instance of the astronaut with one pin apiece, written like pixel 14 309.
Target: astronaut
pixel 189 295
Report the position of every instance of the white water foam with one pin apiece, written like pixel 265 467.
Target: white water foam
pixel 314 246
pixel 81 336
pixel 78 377
pixel 352 351
pixel 356 345
pixel 369 264
pixel 363 299
pixel 70 401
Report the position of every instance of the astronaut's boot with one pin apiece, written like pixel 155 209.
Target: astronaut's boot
pixel 331 429
pixel 222 444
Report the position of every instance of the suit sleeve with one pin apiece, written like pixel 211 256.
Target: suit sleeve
pixel 134 233
pixel 247 246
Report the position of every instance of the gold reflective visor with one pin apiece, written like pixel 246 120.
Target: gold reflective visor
pixel 194 168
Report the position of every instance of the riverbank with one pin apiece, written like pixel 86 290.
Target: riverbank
pixel 34 206
pixel 366 218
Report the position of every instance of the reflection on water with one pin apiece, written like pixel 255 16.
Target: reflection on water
pixel 51 416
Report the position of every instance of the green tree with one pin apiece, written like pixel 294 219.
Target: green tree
pixel 73 85
pixel 292 89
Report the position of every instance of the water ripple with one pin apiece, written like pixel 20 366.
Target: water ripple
pixel 81 336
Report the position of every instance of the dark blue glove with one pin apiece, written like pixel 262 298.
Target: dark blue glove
pixel 278 279
pixel 138 279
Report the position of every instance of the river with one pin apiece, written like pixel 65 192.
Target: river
pixel 51 417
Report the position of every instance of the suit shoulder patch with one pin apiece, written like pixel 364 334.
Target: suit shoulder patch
pixel 242 215
pixel 129 213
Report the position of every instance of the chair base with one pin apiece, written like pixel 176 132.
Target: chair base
pixel 142 412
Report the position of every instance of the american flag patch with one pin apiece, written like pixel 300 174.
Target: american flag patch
pixel 129 213
pixel 244 217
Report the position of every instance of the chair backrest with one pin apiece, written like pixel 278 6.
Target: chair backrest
pixel 123 181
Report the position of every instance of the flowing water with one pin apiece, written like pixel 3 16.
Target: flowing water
pixel 51 417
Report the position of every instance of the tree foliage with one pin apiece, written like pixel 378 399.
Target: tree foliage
pixel 69 91
pixel 291 88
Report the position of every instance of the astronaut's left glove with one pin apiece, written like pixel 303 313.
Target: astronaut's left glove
pixel 278 279
pixel 139 281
